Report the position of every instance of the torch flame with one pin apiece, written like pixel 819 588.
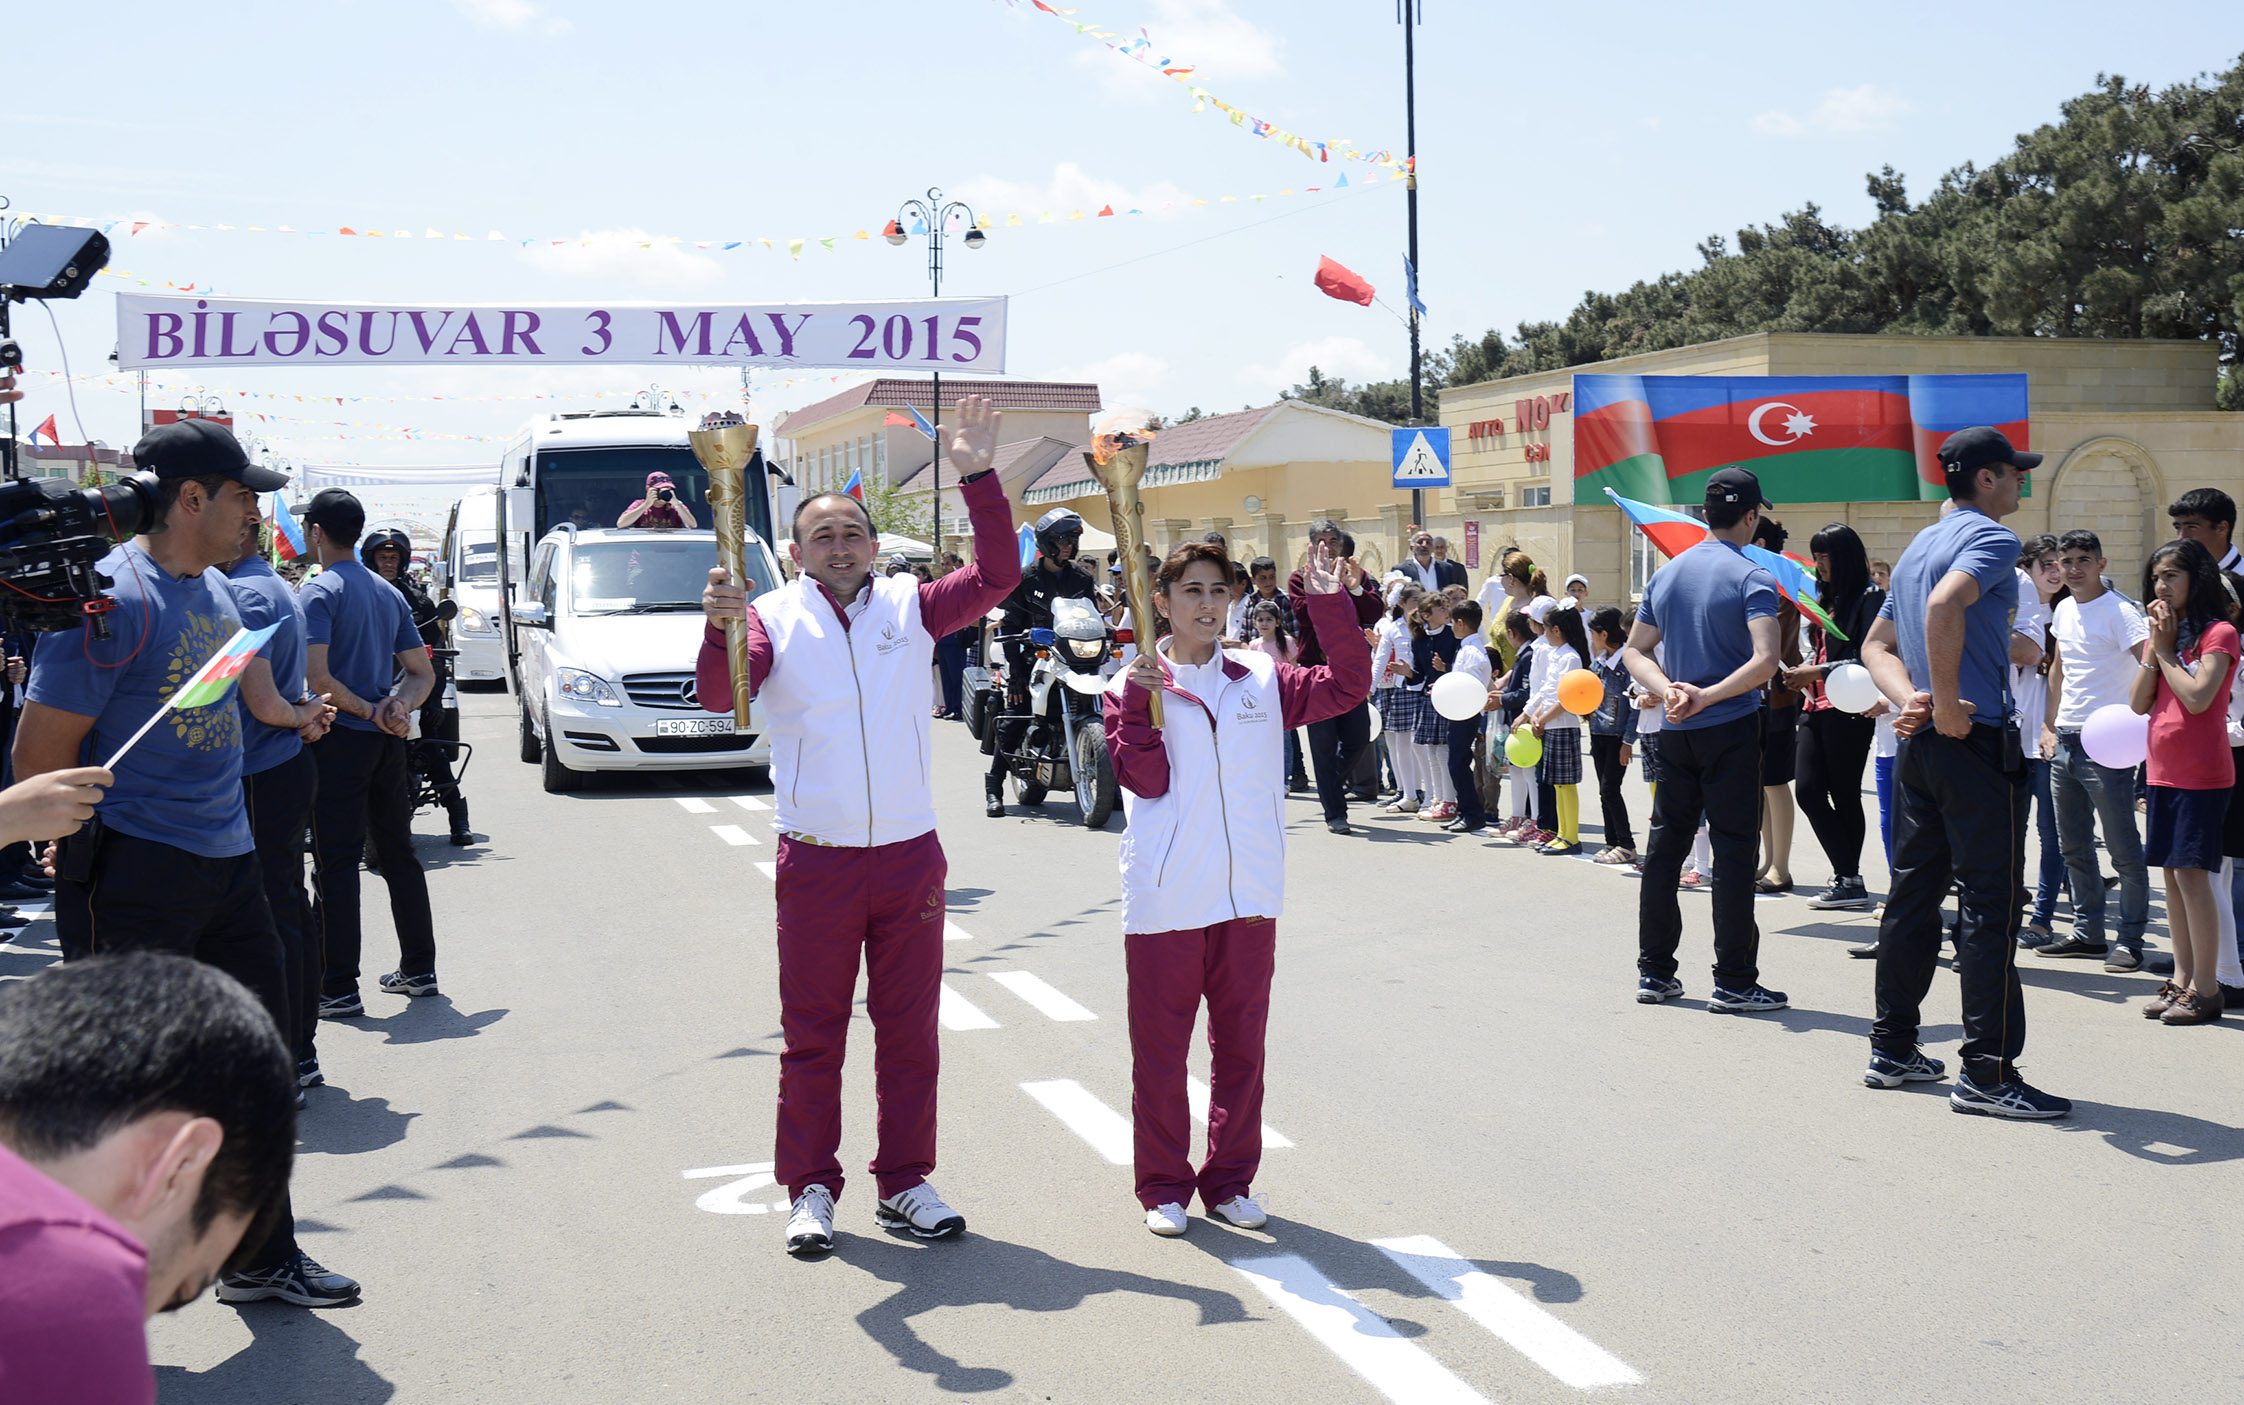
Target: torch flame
pixel 1119 430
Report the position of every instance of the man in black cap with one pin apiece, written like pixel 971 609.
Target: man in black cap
pixel 1712 613
pixel 1940 652
pixel 169 861
pixel 360 635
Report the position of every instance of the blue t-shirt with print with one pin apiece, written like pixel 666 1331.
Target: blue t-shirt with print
pixel 1700 603
pixel 1970 541
pixel 365 624
pixel 182 783
pixel 263 598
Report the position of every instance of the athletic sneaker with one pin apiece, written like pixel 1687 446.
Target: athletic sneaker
pixel 398 983
pixel 921 1211
pixel 1166 1220
pixel 2033 935
pixel 810 1224
pixel 1844 894
pixel 2123 958
pixel 341 1007
pixel 1651 990
pixel 1442 813
pixel 2010 1098
pixel 1886 1071
pixel 297 1280
pixel 1754 999
pixel 1245 1213
pixel 308 1074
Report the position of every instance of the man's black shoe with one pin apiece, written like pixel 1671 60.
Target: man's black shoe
pixel 12 919
pixel 1868 951
pixel 2232 997
pixel 15 888
pixel 2073 947
pixel 993 799
pixel 457 811
pixel 1462 826
pixel 31 877
pixel 1337 826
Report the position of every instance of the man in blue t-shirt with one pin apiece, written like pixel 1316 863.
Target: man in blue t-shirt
pixel 1715 612
pixel 167 863
pixel 1940 652
pixel 278 779
pixel 365 655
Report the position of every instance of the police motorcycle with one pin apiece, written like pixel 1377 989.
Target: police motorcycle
pixel 1063 743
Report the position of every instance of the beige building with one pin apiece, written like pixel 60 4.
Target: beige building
pixel 2127 426
pixel 1259 476
pixel 822 444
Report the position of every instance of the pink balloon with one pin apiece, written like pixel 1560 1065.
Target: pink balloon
pixel 2116 736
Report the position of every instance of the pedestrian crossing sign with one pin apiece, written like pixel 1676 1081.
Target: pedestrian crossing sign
pixel 1422 457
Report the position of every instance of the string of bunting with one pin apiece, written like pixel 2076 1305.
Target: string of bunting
pixel 1141 51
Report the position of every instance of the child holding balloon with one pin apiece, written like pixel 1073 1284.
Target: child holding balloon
pixel 2187 672
pixel 1390 671
pixel 1432 648
pixel 1560 730
pixel 1520 633
pixel 1612 733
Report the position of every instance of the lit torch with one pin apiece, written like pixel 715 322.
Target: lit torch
pixel 724 444
pixel 1119 444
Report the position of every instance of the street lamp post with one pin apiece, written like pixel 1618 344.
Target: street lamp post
pixel 934 214
pixel 1412 14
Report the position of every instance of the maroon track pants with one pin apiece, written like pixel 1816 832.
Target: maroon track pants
pixel 1229 965
pixel 887 901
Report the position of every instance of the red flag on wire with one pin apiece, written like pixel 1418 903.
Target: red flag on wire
pixel 46 430
pixel 1336 281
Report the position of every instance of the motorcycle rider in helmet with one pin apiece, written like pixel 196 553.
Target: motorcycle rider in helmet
pixel 386 553
pixel 1056 577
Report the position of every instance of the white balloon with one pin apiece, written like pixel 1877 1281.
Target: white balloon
pixel 1458 696
pixel 1377 725
pixel 1850 689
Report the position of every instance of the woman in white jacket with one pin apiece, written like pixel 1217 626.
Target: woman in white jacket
pixel 1203 862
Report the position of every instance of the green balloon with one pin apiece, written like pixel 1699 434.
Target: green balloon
pixel 1523 748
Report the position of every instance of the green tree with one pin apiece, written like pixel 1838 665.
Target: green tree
pixel 894 510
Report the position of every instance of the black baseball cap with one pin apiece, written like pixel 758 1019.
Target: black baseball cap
pixel 199 448
pixel 1730 485
pixel 1969 450
pixel 337 512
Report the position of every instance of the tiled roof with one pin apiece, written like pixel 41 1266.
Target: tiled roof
pixel 1081 396
pixel 1203 441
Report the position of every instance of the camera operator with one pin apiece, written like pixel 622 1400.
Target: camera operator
pixel 360 634
pixel 661 507
pixel 147 1122
pixel 1056 577
pixel 385 554
pixel 168 861
pixel 278 781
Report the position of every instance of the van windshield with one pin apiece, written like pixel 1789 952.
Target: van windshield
pixel 654 574
pixel 592 487
pixel 479 561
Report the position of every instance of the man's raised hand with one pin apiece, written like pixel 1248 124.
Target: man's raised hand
pixel 974 427
pixel 1318 576
pixel 721 600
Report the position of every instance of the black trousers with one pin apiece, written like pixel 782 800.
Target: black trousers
pixel 280 809
pixel 141 895
pixel 1956 814
pixel 1714 773
pixel 1334 745
pixel 1464 740
pixel 1834 747
pixel 364 793
pixel 1605 752
pixel 950 661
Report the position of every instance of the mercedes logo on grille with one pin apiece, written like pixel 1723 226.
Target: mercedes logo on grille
pixel 686 693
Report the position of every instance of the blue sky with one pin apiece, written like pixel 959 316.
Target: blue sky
pixel 1563 149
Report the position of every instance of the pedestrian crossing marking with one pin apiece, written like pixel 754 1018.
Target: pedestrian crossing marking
pixel 695 805
pixel 955 1011
pixel 748 802
pixel 1399 1369
pixel 732 1198
pixel 1104 1130
pixel 1511 1316
pixel 769 870
pixel 952 932
pixel 1196 1094
pixel 733 834
pixel 1036 992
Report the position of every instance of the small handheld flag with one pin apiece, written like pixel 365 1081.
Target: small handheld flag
pixel 288 538
pixel 208 684
pixel 1028 546
pixel 1675 533
pixel 855 487
pixel 46 431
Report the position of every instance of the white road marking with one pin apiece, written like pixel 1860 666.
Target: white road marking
pixel 1035 991
pixel 1196 1093
pixel 769 870
pixel 952 932
pixel 732 1198
pixel 1398 1369
pixel 695 805
pixel 1104 1130
pixel 1511 1315
pixel 733 834
pixel 748 802
pixel 955 1011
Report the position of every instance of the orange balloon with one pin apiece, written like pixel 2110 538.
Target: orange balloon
pixel 1581 692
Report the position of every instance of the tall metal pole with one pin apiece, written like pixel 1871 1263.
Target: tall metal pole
pixel 1411 17
pixel 935 382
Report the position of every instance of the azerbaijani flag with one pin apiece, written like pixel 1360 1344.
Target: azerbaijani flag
pixel 855 487
pixel 1808 438
pixel 206 685
pixel 911 417
pixel 288 538
pixel 1675 533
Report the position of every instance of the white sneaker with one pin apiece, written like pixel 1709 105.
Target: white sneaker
pixel 1166 1220
pixel 921 1211
pixel 810 1225
pixel 1245 1213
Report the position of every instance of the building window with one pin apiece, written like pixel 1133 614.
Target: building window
pixel 1643 560
pixel 1535 497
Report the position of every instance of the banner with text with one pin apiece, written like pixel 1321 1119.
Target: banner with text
pixel 963 335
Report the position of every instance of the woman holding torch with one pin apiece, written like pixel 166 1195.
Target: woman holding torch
pixel 1203 861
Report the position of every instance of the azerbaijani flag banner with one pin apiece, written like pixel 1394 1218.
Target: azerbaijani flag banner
pixel 1675 533
pixel 206 685
pixel 288 538
pixel 855 487
pixel 1808 438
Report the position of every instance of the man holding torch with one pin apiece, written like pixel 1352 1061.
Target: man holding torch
pixel 839 658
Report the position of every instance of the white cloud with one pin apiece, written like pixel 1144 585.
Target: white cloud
pixel 518 16
pixel 1071 188
pixel 1125 378
pixel 617 255
pixel 1844 112
pixel 1338 357
pixel 1220 45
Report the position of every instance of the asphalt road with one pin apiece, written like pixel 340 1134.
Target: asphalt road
pixel 1505 1181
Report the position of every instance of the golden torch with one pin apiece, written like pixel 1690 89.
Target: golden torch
pixel 724 444
pixel 1119 444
